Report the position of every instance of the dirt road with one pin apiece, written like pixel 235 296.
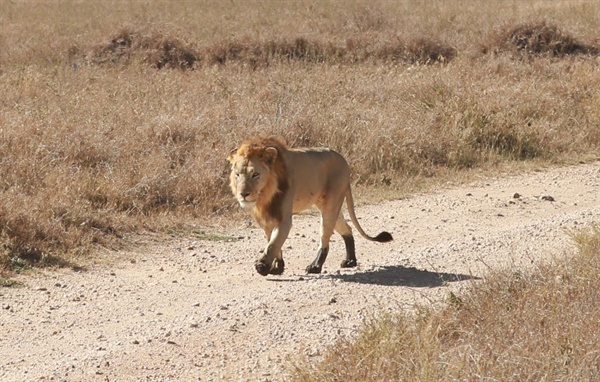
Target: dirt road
pixel 195 310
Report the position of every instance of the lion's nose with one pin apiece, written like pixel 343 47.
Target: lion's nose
pixel 245 194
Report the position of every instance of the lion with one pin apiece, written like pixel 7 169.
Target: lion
pixel 276 182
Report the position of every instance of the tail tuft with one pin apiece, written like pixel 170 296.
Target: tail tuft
pixel 384 237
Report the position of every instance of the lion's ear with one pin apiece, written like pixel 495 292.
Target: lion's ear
pixel 232 155
pixel 270 155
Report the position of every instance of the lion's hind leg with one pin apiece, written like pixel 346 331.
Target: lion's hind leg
pixel 342 227
pixel 277 267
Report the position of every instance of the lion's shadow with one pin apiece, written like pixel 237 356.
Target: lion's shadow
pixel 402 276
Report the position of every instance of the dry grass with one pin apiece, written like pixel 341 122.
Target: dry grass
pixel 535 326
pixel 116 117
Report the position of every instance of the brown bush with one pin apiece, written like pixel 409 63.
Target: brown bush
pixel 155 49
pixel 166 52
pixel 266 53
pixel 538 38
pixel 427 51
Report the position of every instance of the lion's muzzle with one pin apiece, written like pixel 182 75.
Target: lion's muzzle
pixel 245 201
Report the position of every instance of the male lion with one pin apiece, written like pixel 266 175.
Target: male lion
pixel 276 182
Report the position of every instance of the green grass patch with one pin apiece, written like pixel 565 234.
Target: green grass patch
pixel 208 236
pixel 8 283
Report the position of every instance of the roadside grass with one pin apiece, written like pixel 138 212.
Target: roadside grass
pixel 516 325
pixel 202 235
pixel 8 283
pixel 116 118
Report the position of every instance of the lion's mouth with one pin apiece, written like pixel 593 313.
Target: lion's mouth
pixel 246 201
pixel 246 204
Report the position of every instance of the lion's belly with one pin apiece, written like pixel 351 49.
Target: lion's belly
pixel 304 202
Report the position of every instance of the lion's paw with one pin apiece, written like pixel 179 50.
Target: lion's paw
pixel 278 266
pixel 262 268
pixel 349 263
pixel 313 269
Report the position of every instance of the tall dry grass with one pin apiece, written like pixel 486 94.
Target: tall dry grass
pixel 540 325
pixel 116 116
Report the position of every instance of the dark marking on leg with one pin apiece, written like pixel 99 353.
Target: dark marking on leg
pixel 350 260
pixel 315 266
pixel 277 268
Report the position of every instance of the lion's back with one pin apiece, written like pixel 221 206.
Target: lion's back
pixel 314 170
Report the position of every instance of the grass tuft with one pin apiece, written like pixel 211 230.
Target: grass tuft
pixel 514 326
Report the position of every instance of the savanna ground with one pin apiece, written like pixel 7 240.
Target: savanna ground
pixel 116 116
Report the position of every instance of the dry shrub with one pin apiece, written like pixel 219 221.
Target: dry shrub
pixel 537 39
pixel 510 143
pixel 265 53
pixel 354 51
pixel 427 51
pixel 163 52
pixel 155 49
pixel 42 230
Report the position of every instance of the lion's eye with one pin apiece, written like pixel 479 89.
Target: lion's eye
pixel 255 175
pixel 237 174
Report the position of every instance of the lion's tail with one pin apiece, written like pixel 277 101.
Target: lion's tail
pixel 382 237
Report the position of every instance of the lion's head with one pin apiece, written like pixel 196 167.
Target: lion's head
pixel 257 171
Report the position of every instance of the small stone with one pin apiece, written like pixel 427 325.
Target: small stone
pixel 516 195
pixel 548 198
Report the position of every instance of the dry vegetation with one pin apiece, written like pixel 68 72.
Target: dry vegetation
pixel 116 117
pixel 517 326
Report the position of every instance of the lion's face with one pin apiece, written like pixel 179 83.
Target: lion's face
pixel 249 176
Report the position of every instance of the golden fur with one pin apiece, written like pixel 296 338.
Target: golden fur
pixel 276 181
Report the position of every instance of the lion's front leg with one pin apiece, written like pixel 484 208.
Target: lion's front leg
pixel 276 267
pixel 271 262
